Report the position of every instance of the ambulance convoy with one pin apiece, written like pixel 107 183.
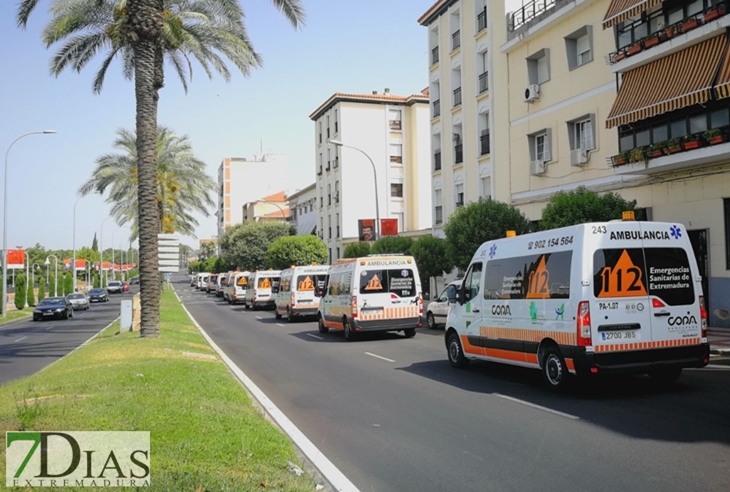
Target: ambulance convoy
pixel 620 297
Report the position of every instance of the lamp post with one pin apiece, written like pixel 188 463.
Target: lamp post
pixel 5 218
pixel 101 249
pixel 73 264
pixel 375 177
pixel 114 271
pixel 55 275
pixel 283 213
pixel 27 275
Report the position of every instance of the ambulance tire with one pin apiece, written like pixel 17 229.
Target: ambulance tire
pixel 349 332
pixel 456 352
pixel 554 371
pixel 666 376
pixel 320 325
pixel 409 332
pixel 276 312
pixel 431 321
pixel 289 315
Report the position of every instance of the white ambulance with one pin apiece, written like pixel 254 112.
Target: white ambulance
pixel 300 290
pixel 202 280
pixel 373 293
pixel 236 289
pixel 619 297
pixel 262 288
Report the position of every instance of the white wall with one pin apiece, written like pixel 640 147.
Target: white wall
pixel 422 159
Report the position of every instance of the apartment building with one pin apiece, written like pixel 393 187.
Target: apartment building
pixel 626 96
pixel 242 180
pixel 302 205
pixel 460 78
pixel 379 137
pixel 268 208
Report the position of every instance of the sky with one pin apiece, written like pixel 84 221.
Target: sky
pixel 345 46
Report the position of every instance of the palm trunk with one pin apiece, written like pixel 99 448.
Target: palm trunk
pixel 145 29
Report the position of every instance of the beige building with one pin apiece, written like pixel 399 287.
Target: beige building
pixel 459 51
pixel 269 208
pixel 621 95
pixel 380 137
pixel 302 205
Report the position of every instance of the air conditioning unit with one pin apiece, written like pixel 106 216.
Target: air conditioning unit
pixel 537 168
pixel 578 157
pixel 532 93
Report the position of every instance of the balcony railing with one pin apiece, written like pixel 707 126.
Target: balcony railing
pixel 458 154
pixel 457 96
pixel 638 36
pixel 527 12
pixel 483 82
pixel 455 40
pixel 328 166
pixel 482 20
pixel 438 214
pixel 436 108
pixel 484 144
pixel 437 161
pixel 395 125
pixel 434 55
pixel 459 204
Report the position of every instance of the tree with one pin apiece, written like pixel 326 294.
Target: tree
pixel 20 290
pixel 478 222
pixel 357 250
pixel 53 288
pixel 68 283
pixel 207 249
pixel 30 294
pixel 141 28
pixel 246 245
pixel 95 244
pixel 392 244
pixel 296 250
pixel 41 289
pixel 579 206
pixel 432 258
pixel 97 280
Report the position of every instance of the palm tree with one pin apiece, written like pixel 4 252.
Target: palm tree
pixel 142 27
pixel 183 187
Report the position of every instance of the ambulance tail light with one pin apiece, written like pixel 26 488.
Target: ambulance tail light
pixel 584 324
pixel 353 306
pixel 420 303
pixel 703 317
pixel 293 299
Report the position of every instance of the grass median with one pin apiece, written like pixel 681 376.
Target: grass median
pixel 206 435
pixel 16 315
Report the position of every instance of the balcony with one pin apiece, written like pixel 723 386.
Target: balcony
pixel 319 172
pixel 483 82
pixel 436 108
pixel 438 214
pixel 482 20
pixel 337 128
pixel 456 41
pixel 484 144
pixel 458 154
pixel 459 204
pixel 457 97
pixel 328 133
pixel 530 11
pixel 328 166
pixel 396 159
pixel 434 55
pixel 437 161
pixel 643 34
pixel 395 125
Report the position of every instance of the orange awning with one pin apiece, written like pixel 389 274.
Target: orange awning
pixel 676 81
pixel 620 10
pixel 722 84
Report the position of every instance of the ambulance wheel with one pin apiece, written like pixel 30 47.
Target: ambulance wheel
pixel 349 332
pixel 456 353
pixel 320 325
pixel 289 316
pixel 666 376
pixel 431 321
pixel 554 371
pixel 410 332
pixel 276 313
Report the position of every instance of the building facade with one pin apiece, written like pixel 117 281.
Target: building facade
pixel 626 96
pixel 302 205
pixel 459 58
pixel 269 208
pixel 384 138
pixel 242 180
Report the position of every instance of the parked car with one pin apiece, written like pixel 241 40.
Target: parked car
pixel 114 287
pixel 438 309
pixel 125 287
pixel 79 301
pixel 53 307
pixel 98 295
pixel 134 281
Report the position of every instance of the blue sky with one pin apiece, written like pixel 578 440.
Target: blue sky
pixel 345 46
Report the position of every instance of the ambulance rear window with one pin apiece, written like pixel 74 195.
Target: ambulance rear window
pixel 399 281
pixel 311 282
pixel 242 282
pixel 632 272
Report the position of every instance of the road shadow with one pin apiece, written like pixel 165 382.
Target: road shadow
pixel 339 336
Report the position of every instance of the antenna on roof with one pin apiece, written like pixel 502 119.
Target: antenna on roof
pixel 262 146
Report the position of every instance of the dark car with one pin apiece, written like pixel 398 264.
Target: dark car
pixel 98 295
pixel 114 287
pixel 53 307
pixel 134 281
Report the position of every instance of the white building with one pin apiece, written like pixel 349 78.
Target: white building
pixel 394 132
pixel 303 210
pixel 242 180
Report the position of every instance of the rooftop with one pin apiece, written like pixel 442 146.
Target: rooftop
pixel 434 11
pixel 279 197
pixel 375 98
pixel 277 214
pixel 298 193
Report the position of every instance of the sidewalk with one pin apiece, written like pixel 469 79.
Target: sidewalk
pixel 719 339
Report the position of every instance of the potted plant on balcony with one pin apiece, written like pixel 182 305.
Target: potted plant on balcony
pixel 670 32
pixel 634 48
pixel 638 154
pixel 652 40
pixel 619 56
pixel 690 24
pixel 690 142
pixel 658 149
pixel 620 159
pixel 674 145
pixel 714 136
pixel 715 12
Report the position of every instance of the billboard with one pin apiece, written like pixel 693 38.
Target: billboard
pixel 16 258
pixel 366 228
pixel 388 227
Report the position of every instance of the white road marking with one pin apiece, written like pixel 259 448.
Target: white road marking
pixel 539 407
pixel 314 336
pixel 279 324
pixel 712 367
pixel 379 357
pixel 50 327
pixel 19 339
pixel 258 317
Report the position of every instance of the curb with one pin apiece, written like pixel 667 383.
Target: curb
pixel 319 461
pixel 8 323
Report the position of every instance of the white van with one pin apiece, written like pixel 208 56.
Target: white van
pixel 617 297
pixel 202 280
pixel 236 289
pixel 221 284
pixel 373 293
pixel 300 290
pixel 227 286
pixel 262 288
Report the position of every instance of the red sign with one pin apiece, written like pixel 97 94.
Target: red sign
pixel 388 227
pixel 16 258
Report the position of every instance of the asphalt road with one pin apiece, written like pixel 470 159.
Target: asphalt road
pixel 26 346
pixel 392 414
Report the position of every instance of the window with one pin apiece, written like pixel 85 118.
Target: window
pixel 481 9
pixel 394 119
pixel 398 281
pixel 337 129
pixel 483 67
pixel 329 229
pixel 396 190
pixel 309 283
pixel 698 123
pixel 338 252
pixel 396 153
pixel 473 281
pixel 329 255
pixel 538 67
pixel 540 146
pixel 438 207
pixel 337 191
pixel 537 276
pixel 329 158
pixel 579 47
pixel 337 223
pixel 486 188
pixel 582 133
pixel 726 206
pixel 328 126
pixel 329 194
pixel 459 195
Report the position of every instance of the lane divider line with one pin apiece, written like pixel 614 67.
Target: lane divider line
pixel 314 336
pixel 19 339
pixel 379 357
pixel 259 317
pixel 279 324
pixel 538 407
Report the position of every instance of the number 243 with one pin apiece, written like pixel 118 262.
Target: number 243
pixel 599 229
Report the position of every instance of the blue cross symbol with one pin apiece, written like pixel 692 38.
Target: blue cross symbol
pixel 675 231
pixel 492 251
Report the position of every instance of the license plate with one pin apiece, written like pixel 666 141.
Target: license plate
pixel 374 308
pixel 47 314
pixel 620 335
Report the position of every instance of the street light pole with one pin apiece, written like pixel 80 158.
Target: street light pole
pixel 101 250
pixel 114 270
pixel 73 267
pixel 5 218
pixel 375 177
pixel 27 275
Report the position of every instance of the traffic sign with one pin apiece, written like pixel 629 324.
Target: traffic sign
pixel 168 251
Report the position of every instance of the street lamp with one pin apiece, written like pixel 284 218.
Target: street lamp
pixel 73 267
pixel 375 176
pixel 101 249
pixel 5 218
pixel 55 275
pixel 114 271
pixel 283 213
pixel 27 275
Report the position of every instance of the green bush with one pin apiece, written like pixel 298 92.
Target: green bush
pixel 52 286
pixel 20 290
pixel 41 289
pixel 296 250
pixel 581 206
pixel 392 244
pixel 432 258
pixel 356 250
pixel 68 283
pixel 30 294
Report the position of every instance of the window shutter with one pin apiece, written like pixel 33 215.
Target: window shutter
pixel 548 145
pixel 591 132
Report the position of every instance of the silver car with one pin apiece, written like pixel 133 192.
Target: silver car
pixel 438 309
pixel 78 301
